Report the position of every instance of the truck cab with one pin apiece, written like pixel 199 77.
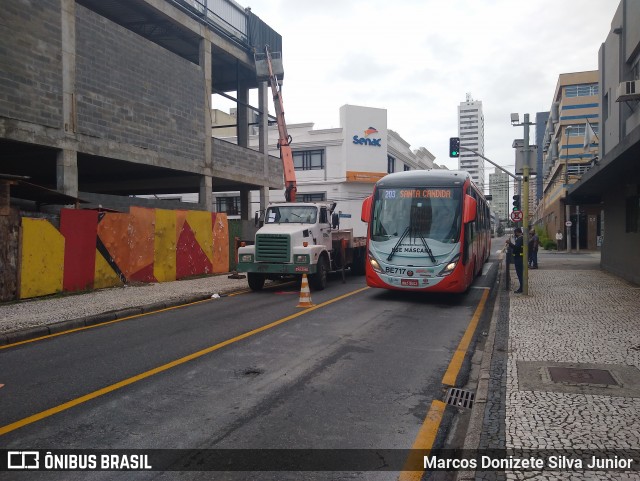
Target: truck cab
pixel 295 239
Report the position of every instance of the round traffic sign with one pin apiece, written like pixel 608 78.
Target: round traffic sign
pixel 568 223
pixel 516 216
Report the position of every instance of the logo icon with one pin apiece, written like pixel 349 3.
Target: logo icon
pixel 23 460
pixel 367 140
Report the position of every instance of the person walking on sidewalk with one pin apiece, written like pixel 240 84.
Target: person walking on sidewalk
pixel 516 249
pixel 558 239
pixel 534 242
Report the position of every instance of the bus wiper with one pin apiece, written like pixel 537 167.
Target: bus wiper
pixel 426 248
pixel 393 251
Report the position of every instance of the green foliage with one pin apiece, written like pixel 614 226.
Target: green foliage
pixel 545 241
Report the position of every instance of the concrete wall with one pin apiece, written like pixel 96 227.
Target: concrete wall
pixel 93 250
pixel 30 73
pixel 620 252
pixel 244 165
pixel 134 92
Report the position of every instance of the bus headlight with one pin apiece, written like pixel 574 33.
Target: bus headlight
pixel 448 269
pixel 375 265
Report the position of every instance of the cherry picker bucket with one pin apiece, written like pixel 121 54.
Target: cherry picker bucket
pixel 262 66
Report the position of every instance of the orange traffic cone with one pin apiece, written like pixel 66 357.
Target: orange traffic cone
pixel 305 294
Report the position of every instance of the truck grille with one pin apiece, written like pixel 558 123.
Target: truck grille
pixel 272 248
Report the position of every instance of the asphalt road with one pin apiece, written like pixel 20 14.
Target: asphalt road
pixel 246 371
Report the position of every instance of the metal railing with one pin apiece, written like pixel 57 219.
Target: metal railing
pixel 225 15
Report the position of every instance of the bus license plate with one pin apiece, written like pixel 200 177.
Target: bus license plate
pixel 409 282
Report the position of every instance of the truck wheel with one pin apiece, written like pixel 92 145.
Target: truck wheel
pixel 358 265
pixel 319 280
pixel 256 281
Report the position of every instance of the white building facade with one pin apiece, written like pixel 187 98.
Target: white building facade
pixel 471 133
pixel 340 164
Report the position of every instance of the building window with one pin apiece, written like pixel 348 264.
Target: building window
pixel 308 160
pixel 228 205
pixel 605 106
pixel 579 130
pixel 312 197
pixel 391 164
pixel 633 214
pixel 584 90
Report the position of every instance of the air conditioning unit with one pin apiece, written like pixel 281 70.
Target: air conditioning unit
pixel 628 91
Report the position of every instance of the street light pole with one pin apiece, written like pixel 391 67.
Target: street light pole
pixel 526 170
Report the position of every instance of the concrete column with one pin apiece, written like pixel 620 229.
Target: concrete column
pixel 264 198
pixel 205 197
pixel 245 204
pixel 67 159
pixel 67 172
pixel 68 23
pixel 263 136
pixel 243 116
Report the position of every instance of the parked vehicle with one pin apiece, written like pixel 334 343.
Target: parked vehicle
pixel 298 239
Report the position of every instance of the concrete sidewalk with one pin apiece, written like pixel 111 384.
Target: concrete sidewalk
pixel 43 316
pixel 564 368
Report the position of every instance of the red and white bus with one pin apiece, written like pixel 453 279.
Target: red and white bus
pixel 429 230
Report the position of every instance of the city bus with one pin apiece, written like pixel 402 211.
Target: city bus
pixel 428 231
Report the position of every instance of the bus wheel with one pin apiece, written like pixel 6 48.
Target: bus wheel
pixel 256 281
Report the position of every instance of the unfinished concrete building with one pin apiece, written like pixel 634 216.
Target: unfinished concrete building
pixel 103 100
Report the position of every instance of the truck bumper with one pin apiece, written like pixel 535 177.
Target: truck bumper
pixel 265 268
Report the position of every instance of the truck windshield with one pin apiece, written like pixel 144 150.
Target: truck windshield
pixel 284 213
pixel 422 213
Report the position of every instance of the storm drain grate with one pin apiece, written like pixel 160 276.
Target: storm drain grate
pixel 460 398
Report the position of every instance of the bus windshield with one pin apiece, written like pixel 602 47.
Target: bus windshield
pixel 422 213
pixel 285 213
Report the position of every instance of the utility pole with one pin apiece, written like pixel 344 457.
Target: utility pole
pixel 526 170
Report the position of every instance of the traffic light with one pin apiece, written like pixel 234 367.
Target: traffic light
pixel 454 147
pixel 516 202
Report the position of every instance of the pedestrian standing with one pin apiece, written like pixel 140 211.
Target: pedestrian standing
pixel 558 239
pixel 534 242
pixel 516 249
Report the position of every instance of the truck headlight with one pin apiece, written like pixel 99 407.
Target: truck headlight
pixel 301 258
pixel 246 258
pixel 375 265
pixel 448 269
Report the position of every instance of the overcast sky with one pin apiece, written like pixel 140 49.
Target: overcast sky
pixel 419 58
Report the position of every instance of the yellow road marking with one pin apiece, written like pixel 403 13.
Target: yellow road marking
pixel 424 442
pixel 429 429
pixel 49 336
pixel 451 375
pixel 113 387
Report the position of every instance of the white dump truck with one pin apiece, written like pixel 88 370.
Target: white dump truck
pixel 299 239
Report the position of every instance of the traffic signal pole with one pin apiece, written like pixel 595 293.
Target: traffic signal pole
pixel 525 209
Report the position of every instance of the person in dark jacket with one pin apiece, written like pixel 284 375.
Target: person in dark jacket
pixel 534 243
pixel 516 250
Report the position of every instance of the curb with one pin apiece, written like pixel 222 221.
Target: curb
pixel 31 333
pixel 476 420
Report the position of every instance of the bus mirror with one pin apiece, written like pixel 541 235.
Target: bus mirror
pixel 470 206
pixel 366 209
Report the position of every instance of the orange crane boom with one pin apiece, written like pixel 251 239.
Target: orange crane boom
pixel 284 139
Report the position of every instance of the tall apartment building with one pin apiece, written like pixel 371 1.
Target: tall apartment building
pixel 499 190
pixel 471 133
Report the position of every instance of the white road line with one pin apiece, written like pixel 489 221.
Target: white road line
pixel 486 268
